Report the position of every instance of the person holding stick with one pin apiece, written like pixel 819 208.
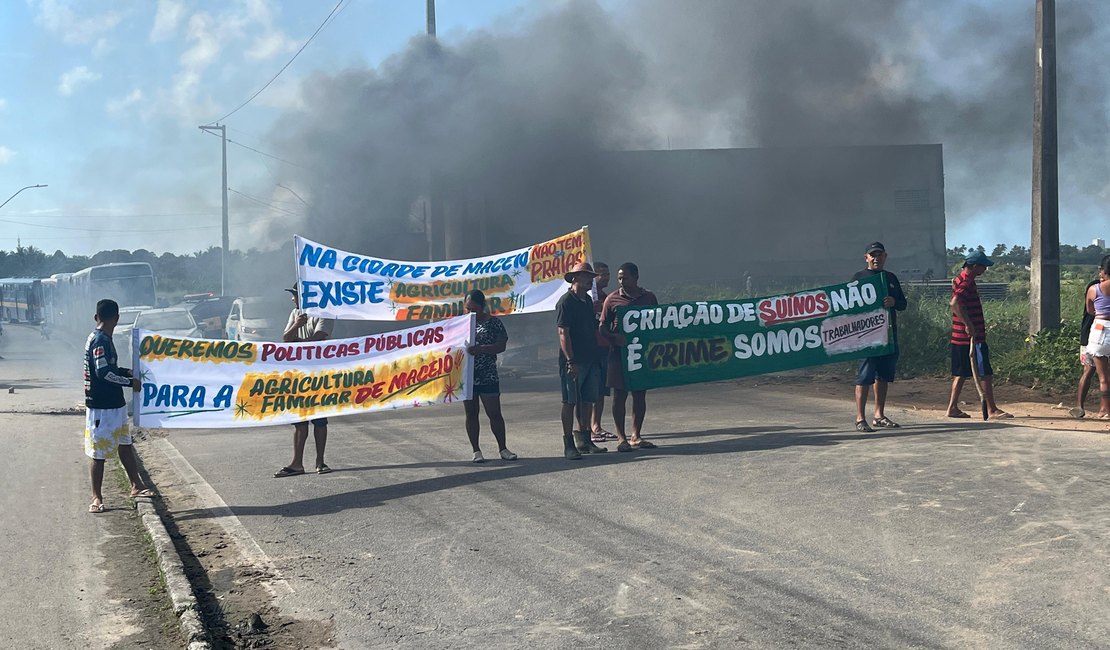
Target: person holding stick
pixel 968 343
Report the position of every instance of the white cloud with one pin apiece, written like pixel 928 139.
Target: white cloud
pixel 3 103
pixel 271 44
pixel 102 47
pixel 119 105
pixel 59 18
pixel 78 76
pixel 6 155
pixel 166 19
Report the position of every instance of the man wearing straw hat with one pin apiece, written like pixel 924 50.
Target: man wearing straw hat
pixel 579 361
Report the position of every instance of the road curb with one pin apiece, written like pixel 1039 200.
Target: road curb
pixel 173 574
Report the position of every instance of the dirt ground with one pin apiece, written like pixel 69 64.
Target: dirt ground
pixel 928 395
pixel 235 603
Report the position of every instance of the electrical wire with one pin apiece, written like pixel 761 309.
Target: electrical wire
pixel 274 78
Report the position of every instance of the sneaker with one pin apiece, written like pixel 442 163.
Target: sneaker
pixel 478 457
pixel 507 455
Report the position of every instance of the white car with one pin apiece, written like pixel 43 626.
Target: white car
pixel 172 321
pixel 121 337
pixel 258 319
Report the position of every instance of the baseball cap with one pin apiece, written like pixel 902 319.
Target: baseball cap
pixel 875 246
pixel 977 257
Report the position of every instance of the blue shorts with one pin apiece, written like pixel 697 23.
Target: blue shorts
pixel 882 368
pixel 588 384
pixel 487 389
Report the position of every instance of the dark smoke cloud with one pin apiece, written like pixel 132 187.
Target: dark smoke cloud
pixel 526 113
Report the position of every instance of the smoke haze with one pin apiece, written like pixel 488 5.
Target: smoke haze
pixel 527 111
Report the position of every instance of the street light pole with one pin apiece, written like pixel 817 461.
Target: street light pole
pixel 223 250
pixel 18 191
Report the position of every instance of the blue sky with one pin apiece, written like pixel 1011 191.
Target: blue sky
pixel 102 101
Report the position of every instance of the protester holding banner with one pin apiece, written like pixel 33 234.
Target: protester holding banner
pixel 489 340
pixel 301 327
pixel 628 294
pixel 969 329
pixel 1086 361
pixel 879 371
pixel 1098 343
pixel 579 360
pixel 598 432
pixel 106 428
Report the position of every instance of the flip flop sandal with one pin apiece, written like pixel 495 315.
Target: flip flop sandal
pixel 1008 416
pixel 323 469
pixel 148 494
pixel 624 446
pixel 885 423
pixel 96 508
pixel 287 471
pixel 861 426
pixel 644 444
pixel 1077 413
pixel 610 436
pixel 597 437
pixel 959 414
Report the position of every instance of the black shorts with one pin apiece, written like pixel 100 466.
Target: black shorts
pixel 320 422
pixel 961 360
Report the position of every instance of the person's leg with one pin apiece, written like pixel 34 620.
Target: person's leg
pixel 620 401
pixel 880 398
pixel 1084 386
pixel 320 436
pixel 597 412
pixel 954 398
pixel 861 403
pixel 639 411
pixel 492 402
pixel 1102 366
pixel 300 437
pixel 988 394
pixel 131 466
pixel 96 475
pixel 472 424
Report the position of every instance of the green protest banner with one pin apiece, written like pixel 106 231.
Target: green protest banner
pixel 693 342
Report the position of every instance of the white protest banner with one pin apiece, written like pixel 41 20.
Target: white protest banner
pixel 338 284
pixel 200 383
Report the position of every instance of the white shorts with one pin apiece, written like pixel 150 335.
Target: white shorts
pixel 105 430
pixel 1085 359
pixel 1098 343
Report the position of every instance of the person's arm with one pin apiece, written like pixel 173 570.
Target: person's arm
pixel 964 317
pixel 109 372
pixel 899 295
pixel 1090 301
pixel 608 318
pixel 296 320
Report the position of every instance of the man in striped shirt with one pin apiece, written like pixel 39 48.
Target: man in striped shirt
pixel 969 328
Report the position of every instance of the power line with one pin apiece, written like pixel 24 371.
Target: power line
pixel 264 203
pixel 268 155
pixel 259 91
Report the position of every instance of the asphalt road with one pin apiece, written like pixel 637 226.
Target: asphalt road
pixel 762 520
pixel 70 579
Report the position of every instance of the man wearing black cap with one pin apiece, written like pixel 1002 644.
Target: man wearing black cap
pixel 303 328
pixel 968 329
pixel 879 371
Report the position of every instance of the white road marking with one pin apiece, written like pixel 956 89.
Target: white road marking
pixel 248 547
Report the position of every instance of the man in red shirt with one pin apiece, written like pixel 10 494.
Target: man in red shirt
pixel 969 328
pixel 628 294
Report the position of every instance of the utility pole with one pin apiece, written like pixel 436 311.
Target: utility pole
pixel 1044 279
pixel 435 221
pixel 223 250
